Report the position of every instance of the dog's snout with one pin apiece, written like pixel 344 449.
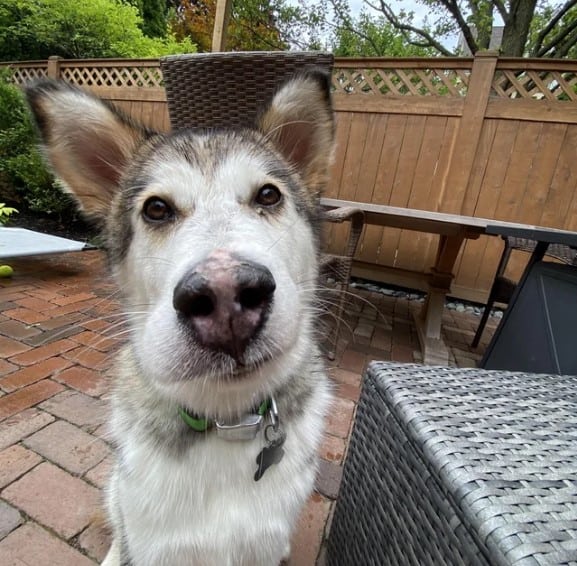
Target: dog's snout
pixel 225 301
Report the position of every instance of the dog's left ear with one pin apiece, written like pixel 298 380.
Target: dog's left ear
pixel 87 142
pixel 300 123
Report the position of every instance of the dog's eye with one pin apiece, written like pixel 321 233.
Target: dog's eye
pixel 268 195
pixel 156 210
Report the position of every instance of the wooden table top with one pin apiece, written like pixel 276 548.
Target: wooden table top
pixel 439 222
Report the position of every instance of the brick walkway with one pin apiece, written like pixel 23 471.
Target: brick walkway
pixel 58 319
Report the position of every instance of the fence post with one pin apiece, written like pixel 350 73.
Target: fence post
pixel 53 69
pixel 455 189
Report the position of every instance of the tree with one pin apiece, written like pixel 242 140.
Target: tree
pixel 154 14
pixel 553 32
pixel 538 29
pixel 78 29
pixel 254 25
pixel 368 36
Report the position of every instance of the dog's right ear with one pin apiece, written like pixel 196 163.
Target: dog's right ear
pixel 87 142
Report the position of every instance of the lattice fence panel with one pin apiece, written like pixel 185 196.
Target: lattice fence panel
pixel 549 85
pixel 143 77
pixel 404 82
pixel 22 75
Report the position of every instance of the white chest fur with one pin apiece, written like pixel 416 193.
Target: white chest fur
pixel 204 508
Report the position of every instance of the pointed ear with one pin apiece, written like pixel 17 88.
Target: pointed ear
pixel 300 123
pixel 87 142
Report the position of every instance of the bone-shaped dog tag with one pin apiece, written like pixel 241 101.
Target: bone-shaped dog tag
pixel 272 453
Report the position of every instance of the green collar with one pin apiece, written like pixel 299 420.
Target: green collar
pixel 202 425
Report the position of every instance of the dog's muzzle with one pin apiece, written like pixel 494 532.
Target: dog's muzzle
pixel 225 301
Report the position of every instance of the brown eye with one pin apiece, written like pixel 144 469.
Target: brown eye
pixel 156 210
pixel 268 195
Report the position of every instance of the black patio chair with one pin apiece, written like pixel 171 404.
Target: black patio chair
pixel 502 288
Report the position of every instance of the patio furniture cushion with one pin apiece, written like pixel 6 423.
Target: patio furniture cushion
pixel 459 466
pixel 19 242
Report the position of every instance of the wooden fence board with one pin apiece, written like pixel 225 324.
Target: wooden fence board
pixel 516 177
pixel 541 173
pixel 355 145
pixel 470 129
pixel 370 158
pixel 524 146
pixel 479 167
pixel 429 106
pixel 343 129
pixel 558 198
pixel 405 171
pixel 494 170
pixel 571 218
pixel 372 244
pixel 413 248
pixel 532 110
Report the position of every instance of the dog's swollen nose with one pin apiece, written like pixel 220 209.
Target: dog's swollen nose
pixel 225 301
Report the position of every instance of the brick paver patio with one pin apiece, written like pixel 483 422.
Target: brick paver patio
pixel 59 328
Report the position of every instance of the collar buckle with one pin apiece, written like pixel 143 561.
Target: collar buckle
pixel 246 428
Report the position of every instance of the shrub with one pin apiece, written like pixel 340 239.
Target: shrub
pixel 5 213
pixel 79 29
pixel 22 170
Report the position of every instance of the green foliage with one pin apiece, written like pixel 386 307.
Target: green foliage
pixel 370 36
pixel 154 18
pixel 22 169
pixel 79 29
pixel 254 25
pixel 550 32
pixel 6 212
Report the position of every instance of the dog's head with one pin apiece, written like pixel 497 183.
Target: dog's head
pixel 210 235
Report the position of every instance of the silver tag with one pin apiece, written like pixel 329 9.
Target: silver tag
pixel 246 428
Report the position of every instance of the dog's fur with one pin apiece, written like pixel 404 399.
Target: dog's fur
pixel 176 496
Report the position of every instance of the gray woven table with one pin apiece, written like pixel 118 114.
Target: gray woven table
pixel 459 466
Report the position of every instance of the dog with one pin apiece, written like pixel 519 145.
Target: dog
pixel 219 397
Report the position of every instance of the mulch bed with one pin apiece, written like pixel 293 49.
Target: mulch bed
pixel 73 229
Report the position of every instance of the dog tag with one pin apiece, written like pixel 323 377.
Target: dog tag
pixel 273 452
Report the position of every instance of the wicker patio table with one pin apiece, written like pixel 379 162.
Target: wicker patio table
pixel 459 466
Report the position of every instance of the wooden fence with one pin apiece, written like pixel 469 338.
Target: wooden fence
pixel 488 137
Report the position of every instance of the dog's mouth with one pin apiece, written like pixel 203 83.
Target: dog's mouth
pixel 244 366
pixel 192 361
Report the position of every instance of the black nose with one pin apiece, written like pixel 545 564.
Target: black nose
pixel 225 301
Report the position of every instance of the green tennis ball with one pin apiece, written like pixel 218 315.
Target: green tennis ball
pixel 6 271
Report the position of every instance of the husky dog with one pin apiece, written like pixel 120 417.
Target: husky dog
pixel 219 397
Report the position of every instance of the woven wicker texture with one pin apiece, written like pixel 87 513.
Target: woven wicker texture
pixel 561 252
pixel 459 466
pixel 339 268
pixel 229 90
